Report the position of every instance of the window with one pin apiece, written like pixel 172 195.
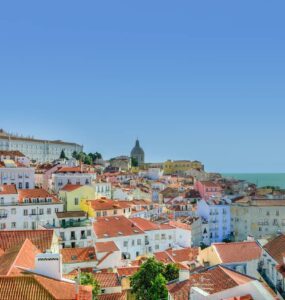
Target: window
pixel 133 242
pixel 27 185
pixel 41 211
pixel 115 211
pixel 88 232
pixel 13 225
pixel 34 211
pixel 26 225
pixel 49 211
pixel 20 185
pixel 98 214
pixel 56 210
pixel 104 213
pixel 277 212
pixel 125 243
pixel 2 226
pixel 163 236
pixel 139 241
pixel 25 212
pixel 76 200
pixel 13 211
pixel 157 236
pixel 156 247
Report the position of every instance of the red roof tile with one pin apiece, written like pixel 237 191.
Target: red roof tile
pixel 211 281
pixel 42 239
pixel 102 247
pixel 106 280
pixel 22 255
pixel 35 193
pixel 40 288
pixel 114 296
pixel 75 255
pixel 71 187
pixel 237 252
pixel 275 248
pixel 8 189
pixel 127 271
pixel 106 227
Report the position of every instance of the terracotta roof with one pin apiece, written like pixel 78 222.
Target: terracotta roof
pixel 177 255
pixel 42 239
pixel 11 153
pixel 21 255
pixel 115 296
pixel 40 288
pixel 127 271
pixel 211 281
pixel 102 247
pixel 8 189
pixel 107 204
pixel 70 170
pixel 71 214
pixel 106 227
pixel 210 184
pixel 106 280
pixel 275 248
pixel 237 251
pixel 75 255
pixel 71 187
pixel 147 225
pixel 36 193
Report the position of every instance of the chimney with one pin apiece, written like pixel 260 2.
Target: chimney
pixel 250 238
pixel 49 264
pixel 184 274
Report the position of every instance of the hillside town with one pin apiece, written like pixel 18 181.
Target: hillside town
pixel 66 216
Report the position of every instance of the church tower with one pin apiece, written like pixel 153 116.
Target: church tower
pixel 138 153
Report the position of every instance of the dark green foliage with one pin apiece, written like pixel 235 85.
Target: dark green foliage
pixel 88 279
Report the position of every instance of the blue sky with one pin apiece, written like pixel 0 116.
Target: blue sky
pixel 192 79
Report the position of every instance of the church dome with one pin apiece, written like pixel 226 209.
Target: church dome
pixel 138 153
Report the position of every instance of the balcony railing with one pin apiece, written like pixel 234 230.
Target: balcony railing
pixel 81 223
pixel 3 216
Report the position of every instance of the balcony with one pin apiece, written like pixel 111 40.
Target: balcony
pixel 70 223
pixel 3 216
pixel 262 272
pixel 280 290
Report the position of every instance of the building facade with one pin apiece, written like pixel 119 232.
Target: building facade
pixel 36 149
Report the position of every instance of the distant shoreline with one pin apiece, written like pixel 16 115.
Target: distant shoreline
pixel 260 179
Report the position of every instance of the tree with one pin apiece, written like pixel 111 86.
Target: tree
pixel 74 154
pixel 88 279
pixel 158 289
pixel 134 162
pixel 171 272
pixel 88 160
pixel 147 281
pixel 62 155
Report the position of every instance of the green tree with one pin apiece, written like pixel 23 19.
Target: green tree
pixel 134 162
pixel 88 160
pixel 88 279
pixel 171 272
pixel 158 289
pixel 62 155
pixel 145 282
pixel 74 154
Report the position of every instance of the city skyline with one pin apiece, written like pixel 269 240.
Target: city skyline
pixel 198 81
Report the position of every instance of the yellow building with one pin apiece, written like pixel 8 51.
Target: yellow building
pixel 177 166
pixel 72 195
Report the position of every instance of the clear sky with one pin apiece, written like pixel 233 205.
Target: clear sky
pixel 197 79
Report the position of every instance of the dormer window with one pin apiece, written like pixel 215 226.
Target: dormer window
pixel 26 200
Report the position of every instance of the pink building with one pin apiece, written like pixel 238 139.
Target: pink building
pixel 208 189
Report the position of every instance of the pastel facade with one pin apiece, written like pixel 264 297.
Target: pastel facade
pixel 73 194
pixel 180 166
pixel 218 216
pixel 27 209
pixel 260 218
pixel 36 149
pixel 208 189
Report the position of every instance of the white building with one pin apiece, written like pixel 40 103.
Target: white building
pixel 103 189
pixel 71 175
pixel 36 149
pixel 12 172
pixel 136 236
pixel 27 209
